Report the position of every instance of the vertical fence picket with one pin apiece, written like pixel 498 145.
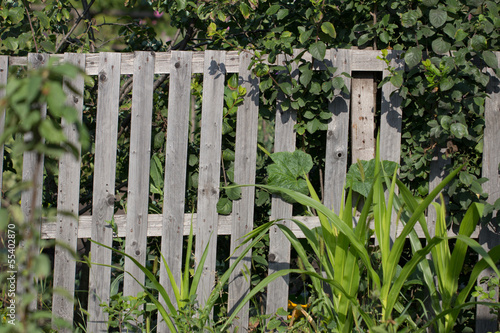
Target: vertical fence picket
pixel 279 246
pixel 210 162
pixel 68 196
pixel 362 116
pixel 336 135
pixel 489 234
pixel 104 188
pixel 244 173
pixel 31 199
pixel 175 171
pixel 138 178
pixel 391 119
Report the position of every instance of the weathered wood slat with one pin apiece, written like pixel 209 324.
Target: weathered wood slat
pixel 391 119
pixel 279 246
pixel 138 177
pixel 225 222
pixel 31 199
pixel 104 188
pixel 337 135
pixel 244 173
pixel 68 198
pixel 489 235
pixel 436 175
pixel 4 70
pixel 362 60
pixel 175 171
pixel 210 162
pixel 363 114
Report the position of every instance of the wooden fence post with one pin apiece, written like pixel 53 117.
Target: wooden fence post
pixel 210 162
pixel 175 172
pixel 279 246
pixel 244 173
pixel 68 198
pixel 103 200
pixel 139 165
pixel 489 234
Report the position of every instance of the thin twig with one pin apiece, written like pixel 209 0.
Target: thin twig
pixel 26 7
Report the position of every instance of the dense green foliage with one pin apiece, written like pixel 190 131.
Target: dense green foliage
pixel 447 49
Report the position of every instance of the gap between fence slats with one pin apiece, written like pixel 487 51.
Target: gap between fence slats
pixel 337 135
pixel 68 198
pixel 209 174
pixel 104 188
pixel 138 177
pixel 172 229
pixel 244 173
pixel 489 234
pixel 279 246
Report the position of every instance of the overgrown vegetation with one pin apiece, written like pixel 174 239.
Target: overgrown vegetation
pixel 447 48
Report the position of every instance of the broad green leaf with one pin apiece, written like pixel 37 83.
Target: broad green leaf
pixel 50 132
pixel 233 82
pixel 437 17
pixel 42 18
pixel 318 50
pixel 306 77
pixel 440 46
pixel 212 28
pixel 272 10
pixel 397 79
pixel 224 206
pixel 329 29
pixel 490 59
pixel 338 82
pixel 233 193
pixel 445 122
pixel 430 3
pixel 409 19
pixel 361 175
pixel 282 13
pixel 286 87
pixel 413 56
pixel 304 36
pixel 460 35
pixel 479 43
pixel 181 4
pixel 288 170
pixel 458 130
pixel 245 10
pixel 446 83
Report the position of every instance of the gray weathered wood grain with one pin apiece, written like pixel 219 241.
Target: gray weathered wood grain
pixel 210 162
pixel 362 116
pixel 391 119
pixel 138 176
pixel 279 246
pixel 225 223
pixel 489 234
pixel 244 173
pixel 104 187
pixel 31 199
pixel 175 171
pixel 68 196
pixel 337 135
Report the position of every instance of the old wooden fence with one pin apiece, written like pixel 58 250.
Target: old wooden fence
pixel 353 114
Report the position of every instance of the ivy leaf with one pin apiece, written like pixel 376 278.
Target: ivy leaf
pixel 490 59
pixel 318 50
pixel 458 130
pixel 437 17
pixel 329 29
pixel 413 56
pixel 440 46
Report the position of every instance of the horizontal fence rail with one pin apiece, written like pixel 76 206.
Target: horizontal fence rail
pixel 351 129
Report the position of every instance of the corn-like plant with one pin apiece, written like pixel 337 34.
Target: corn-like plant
pixel 340 247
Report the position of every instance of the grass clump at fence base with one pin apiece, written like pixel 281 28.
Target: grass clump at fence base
pixel 340 248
